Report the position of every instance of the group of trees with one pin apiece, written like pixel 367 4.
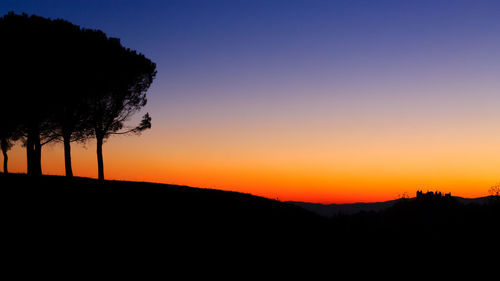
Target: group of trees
pixel 61 82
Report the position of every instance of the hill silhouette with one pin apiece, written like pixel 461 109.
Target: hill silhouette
pixel 81 214
pixel 87 197
pixel 55 210
pixel 330 210
pixel 429 222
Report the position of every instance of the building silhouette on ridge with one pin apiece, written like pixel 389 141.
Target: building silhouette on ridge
pixel 432 195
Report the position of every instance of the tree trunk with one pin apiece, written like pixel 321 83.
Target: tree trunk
pixel 100 161
pixel 67 156
pixel 5 156
pixel 34 152
pixel 37 156
pixel 5 162
pixel 30 151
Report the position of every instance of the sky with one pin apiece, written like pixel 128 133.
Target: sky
pixel 317 101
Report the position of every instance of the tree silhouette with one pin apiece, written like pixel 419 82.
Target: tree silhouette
pixel 8 124
pixel 495 190
pixel 67 83
pixel 5 144
pixel 122 93
pixel 30 71
pixel 74 67
pixel 7 118
pixel 8 130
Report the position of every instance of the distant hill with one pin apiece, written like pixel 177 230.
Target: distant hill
pixel 330 210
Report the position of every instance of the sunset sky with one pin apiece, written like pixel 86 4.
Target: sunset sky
pixel 318 101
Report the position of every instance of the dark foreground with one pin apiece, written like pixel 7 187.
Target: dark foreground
pixel 87 216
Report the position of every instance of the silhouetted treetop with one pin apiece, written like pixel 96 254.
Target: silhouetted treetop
pixel 120 79
pixel 69 83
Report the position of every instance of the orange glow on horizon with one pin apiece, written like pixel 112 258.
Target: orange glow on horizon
pixel 363 175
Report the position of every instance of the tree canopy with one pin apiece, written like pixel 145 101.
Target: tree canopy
pixel 65 83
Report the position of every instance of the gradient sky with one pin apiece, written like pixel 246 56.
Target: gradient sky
pixel 320 101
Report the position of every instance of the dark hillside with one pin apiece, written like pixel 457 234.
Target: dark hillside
pixel 55 209
pixel 82 215
pixel 429 220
